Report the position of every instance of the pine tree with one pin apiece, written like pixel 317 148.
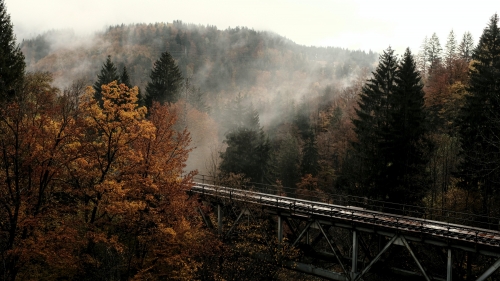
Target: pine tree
pixel 124 78
pixel 288 160
pixel 310 157
pixel 248 150
pixel 108 74
pixel 434 51
pixel 11 58
pixel 466 46
pixel 480 117
pixel 422 57
pixel 247 153
pixel 196 98
pixel 166 81
pixel 404 147
pixel 371 124
pixel 451 49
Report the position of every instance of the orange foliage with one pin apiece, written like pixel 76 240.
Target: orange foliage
pixel 95 191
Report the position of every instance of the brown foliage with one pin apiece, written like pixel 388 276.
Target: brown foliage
pixel 94 192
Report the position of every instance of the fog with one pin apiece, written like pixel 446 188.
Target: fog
pixel 361 24
pixel 273 74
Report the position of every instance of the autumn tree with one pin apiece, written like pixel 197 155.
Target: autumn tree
pixel 130 182
pixel 166 81
pixel 479 121
pixel 95 192
pixel 11 58
pixel 37 141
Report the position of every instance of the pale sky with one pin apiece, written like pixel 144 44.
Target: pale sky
pixel 355 24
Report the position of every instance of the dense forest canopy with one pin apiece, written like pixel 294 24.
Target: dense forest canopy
pixel 100 137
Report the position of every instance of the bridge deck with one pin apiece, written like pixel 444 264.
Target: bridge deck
pixel 324 211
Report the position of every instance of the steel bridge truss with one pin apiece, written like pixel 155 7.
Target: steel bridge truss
pixel 321 227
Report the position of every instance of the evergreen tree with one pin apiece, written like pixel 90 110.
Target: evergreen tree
pixel 239 115
pixel 166 81
pixel 434 51
pixel 310 157
pixel 404 146
pixel 197 99
pixel 371 124
pixel 422 57
pixel 288 160
pixel 466 46
pixel 451 49
pixel 247 153
pixel 108 74
pixel 480 118
pixel 248 150
pixel 11 58
pixel 124 78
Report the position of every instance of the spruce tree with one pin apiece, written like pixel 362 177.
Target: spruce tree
pixel 466 46
pixel 480 117
pixel 422 58
pixel 404 146
pixel 451 49
pixel 434 51
pixel 108 74
pixel 11 58
pixel 371 125
pixel 166 81
pixel 124 78
pixel 310 157
pixel 248 149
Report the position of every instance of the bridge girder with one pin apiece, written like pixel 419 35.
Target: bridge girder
pixel 396 236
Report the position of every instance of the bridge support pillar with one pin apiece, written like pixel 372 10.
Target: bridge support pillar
pixel 219 219
pixel 354 267
pixel 280 229
pixel 449 267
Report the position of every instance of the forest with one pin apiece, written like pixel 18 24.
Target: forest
pixel 101 136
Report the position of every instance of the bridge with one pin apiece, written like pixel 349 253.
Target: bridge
pixel 301 216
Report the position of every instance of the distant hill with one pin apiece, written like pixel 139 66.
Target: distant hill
pixel 219 62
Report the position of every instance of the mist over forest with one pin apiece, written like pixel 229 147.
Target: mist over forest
pixel 281 79
pixel 102 138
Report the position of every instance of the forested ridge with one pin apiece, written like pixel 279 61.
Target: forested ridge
pixel 101 136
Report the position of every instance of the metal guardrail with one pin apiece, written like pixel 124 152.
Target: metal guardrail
pixel 437 214
pixel 329 209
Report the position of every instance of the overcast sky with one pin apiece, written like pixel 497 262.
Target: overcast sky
pixel 355 24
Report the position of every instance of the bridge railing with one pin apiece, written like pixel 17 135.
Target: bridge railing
pixel 443 215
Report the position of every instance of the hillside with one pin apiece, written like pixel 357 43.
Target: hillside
pixel 285 82
pixel 220 62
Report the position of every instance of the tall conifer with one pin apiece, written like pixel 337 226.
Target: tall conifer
pixel 11 58
pixel 371 123
pixel 480 117
pixel 125 78
pixel 108 74
pixel 166 81
pixel 466 46
pixel 404 145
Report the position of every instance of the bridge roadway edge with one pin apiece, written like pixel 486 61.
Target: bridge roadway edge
pixel 487 243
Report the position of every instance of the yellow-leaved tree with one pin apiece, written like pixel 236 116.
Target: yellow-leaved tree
pixel 135 213
pixel 95 190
